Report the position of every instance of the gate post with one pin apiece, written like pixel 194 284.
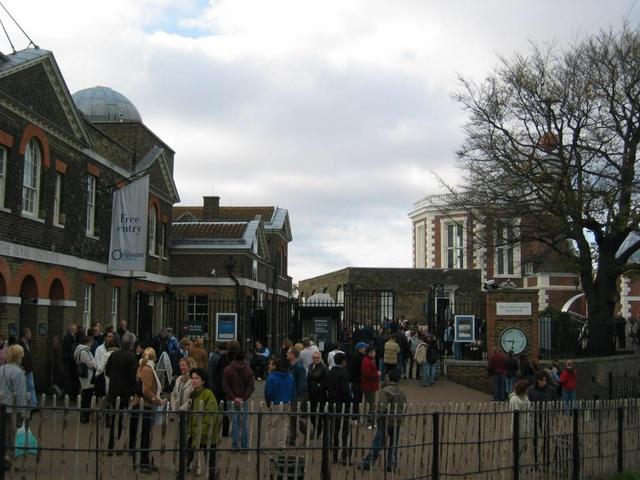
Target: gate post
pixel 435 467
pixel 325 472
pixel 516 445
pixel 576 446
pixel 620 439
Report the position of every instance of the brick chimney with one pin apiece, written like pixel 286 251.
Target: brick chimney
pixel 211 210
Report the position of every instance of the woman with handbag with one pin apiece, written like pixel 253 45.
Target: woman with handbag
pixel 145 401
pixel 13 393
pixel 204 425
pixel 86 366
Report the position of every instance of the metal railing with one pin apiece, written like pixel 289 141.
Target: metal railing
pixel 479 441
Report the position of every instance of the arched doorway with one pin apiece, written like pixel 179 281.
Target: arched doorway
pixel 55 329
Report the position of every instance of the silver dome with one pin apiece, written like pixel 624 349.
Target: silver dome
pixel 103 104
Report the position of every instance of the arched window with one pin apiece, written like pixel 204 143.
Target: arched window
pixel 153 215
pixel 31 178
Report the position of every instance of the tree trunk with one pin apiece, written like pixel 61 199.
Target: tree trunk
pixel 601 304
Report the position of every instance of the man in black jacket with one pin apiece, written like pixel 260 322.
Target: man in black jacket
pixel 405 351
pixel 339 393
pixel 355 374
pixel 121 368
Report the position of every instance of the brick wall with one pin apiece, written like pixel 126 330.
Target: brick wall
pixel 472 374
pixel 495 324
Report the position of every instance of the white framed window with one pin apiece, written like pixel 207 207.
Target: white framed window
pixel 91 204
pixel 3 174
pixel 31 179
pixel 115 306
pixel 453 245
pixel 505 245
pixel 87 305
pixel 58 217
pixel 152 230
pixel 420 247
pixel 528 268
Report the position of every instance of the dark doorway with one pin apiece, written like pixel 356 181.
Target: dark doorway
pixel 259 326
pixel 144 311
pixel 28 305
pixel 55 331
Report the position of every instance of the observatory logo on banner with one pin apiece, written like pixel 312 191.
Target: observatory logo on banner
pixel 129 227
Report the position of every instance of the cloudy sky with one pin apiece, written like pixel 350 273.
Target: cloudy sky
pixel 338 110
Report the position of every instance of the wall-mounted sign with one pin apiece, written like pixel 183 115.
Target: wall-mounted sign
pixel 513 308
pixel 464 328
pixel 43 329
pixel 226 327
pixel 13 329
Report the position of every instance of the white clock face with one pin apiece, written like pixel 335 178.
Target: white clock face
pixel 513 340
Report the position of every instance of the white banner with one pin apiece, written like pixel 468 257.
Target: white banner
pixel 128 248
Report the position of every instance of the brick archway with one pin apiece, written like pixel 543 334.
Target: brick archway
pixel 58 275
pixel 27 269
pixel 3 286
pixel 33 131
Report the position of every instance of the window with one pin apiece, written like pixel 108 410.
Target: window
pixel 198 313
pixel 58 216
pixel 340 295
pixel 31 179
pixel 3 173
pixel 386 306
pixel 115 306
pixel 420 247
pixel 87 305
pixel 528 268
pixel 91 204
pixel 454 245
pixel 152 231
pixel 504 248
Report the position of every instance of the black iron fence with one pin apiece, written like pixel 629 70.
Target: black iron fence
pixel 474 441
pixel 624 385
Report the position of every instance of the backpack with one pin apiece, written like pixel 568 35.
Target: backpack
pixel 421 353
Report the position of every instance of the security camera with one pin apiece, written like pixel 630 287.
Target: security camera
pixel 213 272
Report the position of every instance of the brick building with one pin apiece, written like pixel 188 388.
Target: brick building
pixel 371 296
pixel 61 159
pixel 448 239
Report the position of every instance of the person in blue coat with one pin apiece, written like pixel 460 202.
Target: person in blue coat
pixel 299 374
pixel 279 392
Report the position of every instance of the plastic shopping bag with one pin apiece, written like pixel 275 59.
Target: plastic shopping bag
pixel 26 442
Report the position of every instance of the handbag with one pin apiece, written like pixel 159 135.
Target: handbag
pixel 26 443
pixel 83 370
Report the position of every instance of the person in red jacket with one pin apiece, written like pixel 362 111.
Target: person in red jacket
pixel 568 383
pixel 370 382
pixel 497 370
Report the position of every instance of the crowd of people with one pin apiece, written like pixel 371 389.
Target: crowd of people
pixel 329 392
pixel 521 382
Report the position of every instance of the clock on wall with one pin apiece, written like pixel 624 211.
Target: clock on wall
pixel 514 340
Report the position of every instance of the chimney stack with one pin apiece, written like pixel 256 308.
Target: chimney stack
pixel 211 210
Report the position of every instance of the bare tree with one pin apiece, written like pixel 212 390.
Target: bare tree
pixel 552 139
